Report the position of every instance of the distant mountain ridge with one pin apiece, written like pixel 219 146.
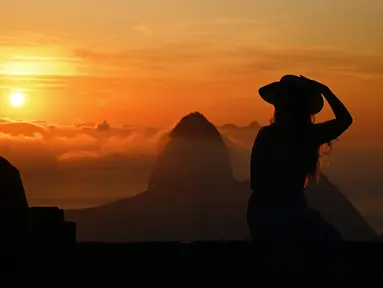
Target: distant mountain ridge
pixel 192 195
pixel 252 125
pixel 239 135
pixel 339 211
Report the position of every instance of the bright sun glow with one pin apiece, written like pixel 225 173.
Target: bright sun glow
pixel 16 99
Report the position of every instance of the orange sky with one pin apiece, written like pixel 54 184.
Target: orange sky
pixel 148 62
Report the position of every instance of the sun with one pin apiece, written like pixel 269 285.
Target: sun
pixel 16 99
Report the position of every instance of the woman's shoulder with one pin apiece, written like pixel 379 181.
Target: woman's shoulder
pixel 265 133
pixel 267 130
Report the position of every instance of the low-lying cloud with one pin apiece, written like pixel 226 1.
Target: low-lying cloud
pixel 84 140
pixel 98 161
pixel 92 159
pixel 80 160
pixel 30 139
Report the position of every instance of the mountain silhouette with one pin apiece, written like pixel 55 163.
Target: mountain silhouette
pixel 336 209
pixel 192 195
pixel 379 238
pixel 241 135
pixel 14 219
pixel 195 151
pixel 252 125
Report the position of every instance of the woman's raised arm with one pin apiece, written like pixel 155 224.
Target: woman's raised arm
pixel 332 129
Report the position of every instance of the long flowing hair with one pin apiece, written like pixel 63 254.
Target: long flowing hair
pixel 313 154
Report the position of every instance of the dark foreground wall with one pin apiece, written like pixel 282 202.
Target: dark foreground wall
pixel 169 262
pixel 56 255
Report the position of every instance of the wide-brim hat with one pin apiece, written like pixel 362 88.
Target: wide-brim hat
pixel 293 91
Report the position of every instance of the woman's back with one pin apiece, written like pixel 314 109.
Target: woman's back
pixel 286 155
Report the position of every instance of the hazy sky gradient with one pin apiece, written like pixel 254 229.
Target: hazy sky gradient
pixel 157 60
pixel 142 63
pixel 349 24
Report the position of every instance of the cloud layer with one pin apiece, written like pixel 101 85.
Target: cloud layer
pixel 93 159
pixel 88 163
pixel 80 160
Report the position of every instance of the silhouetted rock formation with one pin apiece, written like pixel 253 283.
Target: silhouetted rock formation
pixel 195 151
pixel 192 195
pixel 104 126
pixel 243 135
pixel 14 218
pixel 335 208
pixel 13 202
pixel 252 125
pixel 379 238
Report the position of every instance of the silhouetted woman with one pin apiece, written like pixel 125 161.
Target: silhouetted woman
pixel 285 158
